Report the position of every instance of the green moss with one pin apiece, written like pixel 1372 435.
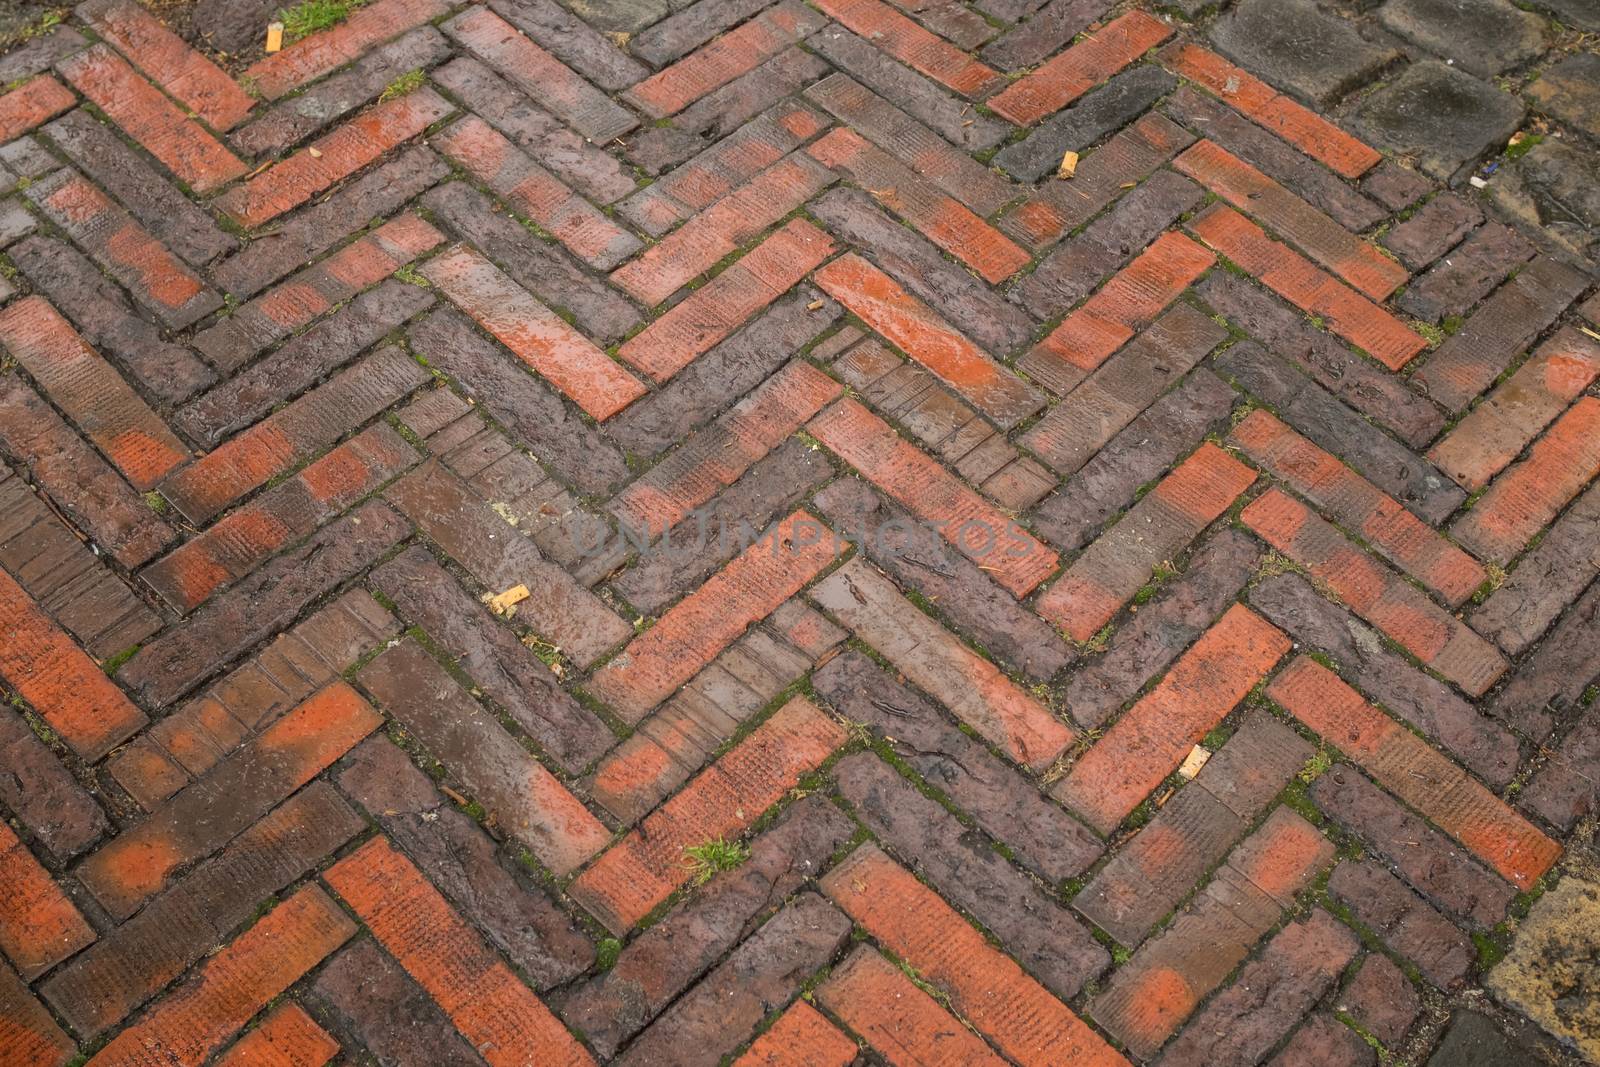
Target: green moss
pixel 605 956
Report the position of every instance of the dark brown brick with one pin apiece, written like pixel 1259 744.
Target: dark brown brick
pixel 509 672
pixel 961 865
pixel 261 604
pixel 522 922
pixel 1405 922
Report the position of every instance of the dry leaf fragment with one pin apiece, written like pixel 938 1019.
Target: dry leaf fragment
pixel 508 599
pixel 274 37
pixel 1069 165
pixel 315 152
pixel 814 305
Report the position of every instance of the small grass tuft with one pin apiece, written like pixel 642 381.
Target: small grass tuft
pixel 708 859
pixel 408 82
pixel 309 16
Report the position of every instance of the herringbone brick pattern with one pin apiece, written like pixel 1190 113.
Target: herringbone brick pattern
pixel 669 532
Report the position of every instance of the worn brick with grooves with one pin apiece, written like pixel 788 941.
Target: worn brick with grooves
pixel 1111 571
pixel 157 279
pixel 1372 591
pixel 332 157
pixel 897 1018
pixel 786 557
pixel 1523 500
pixel 934 660
pixel 1126 304
pixel 91 392
pixel 1359 506
pixel 712 312
pixel 43 666
pixel 485 1000
pixel 1417 774
pixel 247 974
pixel 292 434
pixel 538 336
pixel 315 291
pixel 1069 75
pixel 283 72
pixel 1349 314
pixel 32 104
pixel 198 159
pixel 921 333
pixel 973 526
pixel 648 865
pixel 722 60
pixel 1250 96
pixel 184 73
pixel 1148 743
pixel 1025 1022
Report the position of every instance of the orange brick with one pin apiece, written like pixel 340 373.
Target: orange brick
pixel 39 927
pixel 1368 270
pixel 1126 304
pixel 91 392
pixel 1152 739
pixel 917 330
pixel 1112 569
pixel 801 1037
pixel 29 1037
pixel 287 1037
pixel 58 680
pixel 1494 433
pixel 242 540
pixel 535 334
pixel 192 1022
pixel 985 986
pixel 156 278
pixel 533 191
pixel 722 60
pixel 900 1021
pixel 1524 499
pixel 646 867
pixel 1080 68
pixel 689 636
pixel 917 48
pixel 1373 592
pixel 556 87
pixel 938 663
pixel 719 231
pixel 493 1010
pixel 31 105
pixel 946 221
pixel 1359 506
pixel 719 455
pixel 140 861
pixel 292 434
pixel 333 156
pixel 1150 996
pixel 182 146
pixel 722 305
pixel 1348 314
pixel 186 75
pixel 1260 102
pixel 315 290
pixel 1409 768
pixel 974 527
pixel 310 58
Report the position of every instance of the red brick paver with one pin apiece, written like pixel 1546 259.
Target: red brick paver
pixel 676 531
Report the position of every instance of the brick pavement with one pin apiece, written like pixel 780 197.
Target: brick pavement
pixel 958 613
